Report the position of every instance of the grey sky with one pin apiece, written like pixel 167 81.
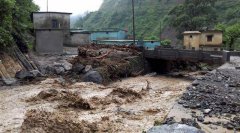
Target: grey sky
pixel 72 6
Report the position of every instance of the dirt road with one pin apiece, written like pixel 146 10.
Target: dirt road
pixel 130 105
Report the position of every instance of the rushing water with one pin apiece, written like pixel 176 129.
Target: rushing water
pixel 129 115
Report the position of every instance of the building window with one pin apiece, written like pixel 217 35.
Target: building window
pixel 55 23
pixel 209 38
pixel 191 36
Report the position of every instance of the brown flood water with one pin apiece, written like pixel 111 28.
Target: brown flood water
pixel 127 114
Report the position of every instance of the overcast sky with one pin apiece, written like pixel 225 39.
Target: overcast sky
pixel 73 6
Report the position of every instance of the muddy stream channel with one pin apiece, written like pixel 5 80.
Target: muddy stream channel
pixel 129 105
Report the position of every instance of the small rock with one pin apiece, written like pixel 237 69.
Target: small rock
pixel 59 70
pixel 207 111
pixel 180 102
pixel 50 70
pixel 237 128
pixel 213 127
pixel 194 115
pixel 238 67
pixel 195 83
pixel 230 126
pixel 198 105
pixel 8 81
pixel 205 69
pixel 87 69
pixel 61 80
pixel 63 63
pixel 169 121
pixel 207 122
pixel 190 122
pixel 36 73
pixel 66 65
pixel 226 85
pixel 200 119
pixel 78 68
pixel 192 106
pixel 93 76
pixel 185 105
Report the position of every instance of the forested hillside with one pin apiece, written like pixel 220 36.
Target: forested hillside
pixel 118 14
pixel 162 16
pixel 15 23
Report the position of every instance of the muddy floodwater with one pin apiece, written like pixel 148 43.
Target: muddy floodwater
pixel 129 105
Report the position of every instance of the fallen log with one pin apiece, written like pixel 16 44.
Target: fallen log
pixel 104 55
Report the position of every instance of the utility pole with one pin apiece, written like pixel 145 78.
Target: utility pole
pixel 133 22
pixel 47 5
pixel 160 30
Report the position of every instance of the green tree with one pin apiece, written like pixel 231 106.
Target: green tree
pixel 15 20
pixel 166 42
pixel 231 34
pixel 193 15
pixel 6 10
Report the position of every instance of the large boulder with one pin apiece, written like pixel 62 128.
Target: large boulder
pixel 8 81
pixel 93 76
pixel 36 73
pixel 175 128
pixel 23 74
pixel 63 63
pixel 78 68
pixel 59 70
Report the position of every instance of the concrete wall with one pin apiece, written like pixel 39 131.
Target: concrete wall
pixel 43 20
pixel 151 44
pixel 78 39
pixel 216 40
pixel 108 35
pixel 191 41
pixel 200 41
pixel 209 48
pixel 49 41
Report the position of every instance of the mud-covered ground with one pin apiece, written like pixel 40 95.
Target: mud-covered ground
pixel 130 105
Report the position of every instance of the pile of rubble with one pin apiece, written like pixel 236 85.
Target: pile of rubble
pixel 104 63
pixel 216 94
pixel 94 63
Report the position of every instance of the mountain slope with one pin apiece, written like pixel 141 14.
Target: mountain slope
pixel 118 14
pixel 151 16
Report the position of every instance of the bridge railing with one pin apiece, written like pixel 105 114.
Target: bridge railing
pixel 216 57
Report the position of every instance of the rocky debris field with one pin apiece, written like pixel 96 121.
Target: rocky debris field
pixel 215 95
pixel 106 63
pixel 94 63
